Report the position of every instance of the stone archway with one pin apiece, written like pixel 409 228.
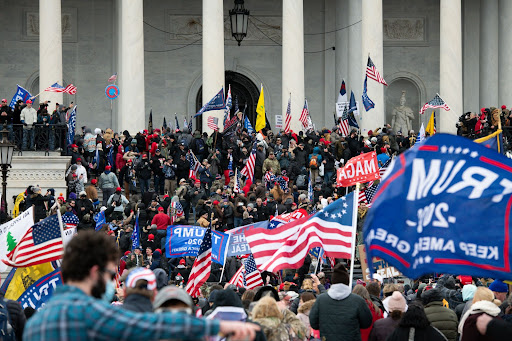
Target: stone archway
pixel 242 88
pixel 412 95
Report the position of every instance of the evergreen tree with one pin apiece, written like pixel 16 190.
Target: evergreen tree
pixel 11 242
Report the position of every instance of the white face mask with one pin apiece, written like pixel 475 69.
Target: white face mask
pixel 187 311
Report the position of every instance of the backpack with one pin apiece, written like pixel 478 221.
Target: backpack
pixel 6 329
pixel 301 181
pixel 313 163
pixel 200 146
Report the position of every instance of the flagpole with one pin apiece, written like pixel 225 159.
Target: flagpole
pixel 354 233
pixel 61 225
pixel 225 258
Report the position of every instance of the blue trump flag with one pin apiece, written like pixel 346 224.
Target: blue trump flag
pixel 41 291
pixel 444 206
pixel 216 103
pixel 248 125
pixel 367 102
pixel 100 219
pixel 136 234
pixel 237 244
pixel 71 126
pixel 493 141
pixel 185 240
pixel 22 94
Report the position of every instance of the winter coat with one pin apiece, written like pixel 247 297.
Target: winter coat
pixel 287 328
pixel 428 334
pixel 271 164
pixel 383 328
pixel 443 319
pixel 467 326
pixel 108 181
pixel 303 315
pixel 376 315
pixel 143 170
pixel 339 314
pixel 137 303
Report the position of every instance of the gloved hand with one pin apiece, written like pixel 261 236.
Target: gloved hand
pixel 24 124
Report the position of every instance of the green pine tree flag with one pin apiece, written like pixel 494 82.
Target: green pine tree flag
pixel 11 242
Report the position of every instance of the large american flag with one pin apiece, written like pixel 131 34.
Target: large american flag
pixel 42 243
pixel 252 276
pixel 288 116
pixel 194 165
pixel 202 265
pixel 436 102
pixel 213 123
pixel 373 73
pixel 343 124
pixel 287 246
pixel 56 87
pixel 248 170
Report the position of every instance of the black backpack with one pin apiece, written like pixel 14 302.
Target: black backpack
pixel 200 146
pixel 6 329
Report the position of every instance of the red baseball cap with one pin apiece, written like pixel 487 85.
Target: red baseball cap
pixel 108 167
pixel 78 159
pixel 182 262
pixel 4 100
pixel 161 209
pixel 118 189
pixel 94 181
pixel 29 102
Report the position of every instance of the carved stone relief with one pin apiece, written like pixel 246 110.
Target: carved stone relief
pixel 36 175
pixel 404 29
pixel 31 25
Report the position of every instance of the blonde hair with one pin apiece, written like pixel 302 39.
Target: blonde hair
pixel 484 294
pixel 307 284
pixel 389 289
pixel 266 307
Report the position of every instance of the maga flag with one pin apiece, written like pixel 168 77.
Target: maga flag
pixel 260 110
pixel 359 169
pixel 493 141
pixel 444 207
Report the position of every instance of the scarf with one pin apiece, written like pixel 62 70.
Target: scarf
pixel 486 307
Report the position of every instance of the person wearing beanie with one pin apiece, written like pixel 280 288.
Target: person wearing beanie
pixel 339 314
pixel 468 291
pixel 439 316
pixel 108 183
pixel 384 327
pixel 499 289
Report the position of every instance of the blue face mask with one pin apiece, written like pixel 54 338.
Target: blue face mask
pixel 110 290
pixel 107 172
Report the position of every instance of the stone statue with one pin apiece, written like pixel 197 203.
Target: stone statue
pixel 402 116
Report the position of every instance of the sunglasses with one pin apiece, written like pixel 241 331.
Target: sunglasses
pixel 112 273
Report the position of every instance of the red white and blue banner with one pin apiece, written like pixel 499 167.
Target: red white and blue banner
pixel 444 206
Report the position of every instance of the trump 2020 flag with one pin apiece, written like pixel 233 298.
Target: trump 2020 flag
pixel 216 103
pixel 71 126
pixel 21 93
pixel 445 207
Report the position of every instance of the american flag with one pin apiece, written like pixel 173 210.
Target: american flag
pixel 248 170
pixel 70 220
pixel 288 116
pixel 229 104
pixel 194 165
pixel 202 265
pixel 370 192
pixel 343 125
pixel 285 218
pixel 213 123
pixel 238 278
pixel 56 87
pixel 252 276
pixel 304 116
pixel 175 211
pixel 113 78
pixel 384 167
pixel 42 243
pixel 373 73
pixel 436 102
pixel 70 89
pixel 362 198
pixel 287 246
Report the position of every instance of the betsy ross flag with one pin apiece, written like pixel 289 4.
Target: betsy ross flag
pixel 202 265
pixel 373 73
pixel 436 102
pixel 288 116
pixel 113 78
pixel 194 165
pixel 248 170
pixel 287 246
pixel 252 276
pixel 213 123
pixel 42 243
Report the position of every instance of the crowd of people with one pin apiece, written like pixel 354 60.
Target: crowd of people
pixel 165 177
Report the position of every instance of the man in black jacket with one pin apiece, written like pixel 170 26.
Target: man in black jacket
pixel 139 290
pixel 260 212
pixel 157 165
pixel 301 155
pixel 143 171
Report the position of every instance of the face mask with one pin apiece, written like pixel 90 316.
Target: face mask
pixel 98 289
pixel 107 172
pixel 110 290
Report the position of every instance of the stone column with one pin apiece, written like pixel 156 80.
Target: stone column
pixel 293 61
pixel 131 112
pixel 504 54
pixel 488 53
pixel 213 56
pixel 355 72
pixel 372 45
pixel 450 45
pixel 50 49
pixel 342 47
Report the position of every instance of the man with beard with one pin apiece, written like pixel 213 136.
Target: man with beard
pixel 81 310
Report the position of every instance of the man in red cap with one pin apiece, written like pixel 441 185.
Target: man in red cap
pixel 108 183
pixel 161 220
pixel 119 200
pixel 28 118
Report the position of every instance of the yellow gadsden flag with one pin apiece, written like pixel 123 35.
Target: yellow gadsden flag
pixel 19 199
pixel 431 126
pixel 260 110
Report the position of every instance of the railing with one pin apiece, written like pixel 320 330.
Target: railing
pixel 46 137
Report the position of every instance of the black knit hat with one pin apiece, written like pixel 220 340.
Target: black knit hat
pixel 339 274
